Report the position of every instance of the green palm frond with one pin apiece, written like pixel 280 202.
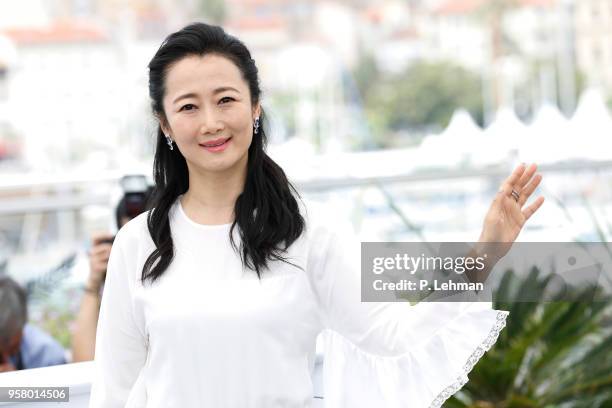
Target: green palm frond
pixel 553 353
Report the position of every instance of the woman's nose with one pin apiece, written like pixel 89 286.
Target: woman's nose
pixel 210 122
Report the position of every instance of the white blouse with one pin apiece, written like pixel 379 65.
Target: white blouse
pixel 209 333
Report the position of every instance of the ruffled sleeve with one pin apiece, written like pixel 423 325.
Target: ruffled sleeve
pixel 380 354
pixel 425 375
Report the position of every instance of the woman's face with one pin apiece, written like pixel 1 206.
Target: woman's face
pixel 208 102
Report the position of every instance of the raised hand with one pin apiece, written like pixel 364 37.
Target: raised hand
pixel 508 212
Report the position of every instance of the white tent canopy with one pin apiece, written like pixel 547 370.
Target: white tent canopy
pixel 507 130
pixel 548 137
pixel 502 139
pixel 591 127
pixel 454 145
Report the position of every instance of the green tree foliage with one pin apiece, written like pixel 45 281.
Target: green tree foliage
pixel 424 96
pixel 213 9
pixel 551 354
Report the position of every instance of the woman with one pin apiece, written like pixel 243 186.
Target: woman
pixel 216 296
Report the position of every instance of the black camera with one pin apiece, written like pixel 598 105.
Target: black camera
pixel 135 195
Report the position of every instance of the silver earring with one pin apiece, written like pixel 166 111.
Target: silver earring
pixel 169 141
pixel 256 125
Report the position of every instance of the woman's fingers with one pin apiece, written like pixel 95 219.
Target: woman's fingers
pixel 529 211
pixel 529 189
pixel 526 177
pixel 100 249
pixel 511 181
pixel 101 237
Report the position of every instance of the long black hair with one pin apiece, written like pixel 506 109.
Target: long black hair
pixel 267 214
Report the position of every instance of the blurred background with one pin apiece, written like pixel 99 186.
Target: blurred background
pixel 405 115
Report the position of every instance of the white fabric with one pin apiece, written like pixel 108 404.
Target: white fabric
pixel 210 334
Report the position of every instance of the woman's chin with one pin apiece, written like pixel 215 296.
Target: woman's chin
pixel 216 165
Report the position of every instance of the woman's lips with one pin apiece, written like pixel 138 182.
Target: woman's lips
pixel 220 148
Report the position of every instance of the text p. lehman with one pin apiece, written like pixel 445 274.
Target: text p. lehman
pixel 424 284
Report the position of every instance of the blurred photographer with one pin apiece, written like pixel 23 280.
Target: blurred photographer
pixel 22 345
pixel 133 203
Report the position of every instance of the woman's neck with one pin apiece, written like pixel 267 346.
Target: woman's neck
pixel 211 197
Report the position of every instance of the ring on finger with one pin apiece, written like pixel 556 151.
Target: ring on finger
pixel 516 195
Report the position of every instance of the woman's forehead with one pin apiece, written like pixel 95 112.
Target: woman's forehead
pixel 203 74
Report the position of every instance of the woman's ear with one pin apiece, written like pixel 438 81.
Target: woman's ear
pixel 163 124
pixel 257 111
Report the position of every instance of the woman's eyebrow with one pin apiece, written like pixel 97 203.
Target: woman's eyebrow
pixel 216 91
pixel 185 96
pixel 225 88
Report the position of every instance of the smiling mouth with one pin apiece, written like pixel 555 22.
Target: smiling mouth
pixel 218 144
pixel 216 147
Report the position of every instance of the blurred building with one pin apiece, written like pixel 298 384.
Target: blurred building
pixel 76 90
pixel 9 145
pixel 504 40
pixel 389 31
pixel 65 91
pixel 594 41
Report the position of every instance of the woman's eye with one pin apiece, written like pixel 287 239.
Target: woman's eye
pixel 189 106
pixel 226 99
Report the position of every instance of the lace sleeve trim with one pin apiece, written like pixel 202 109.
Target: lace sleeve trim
pixel 462 379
